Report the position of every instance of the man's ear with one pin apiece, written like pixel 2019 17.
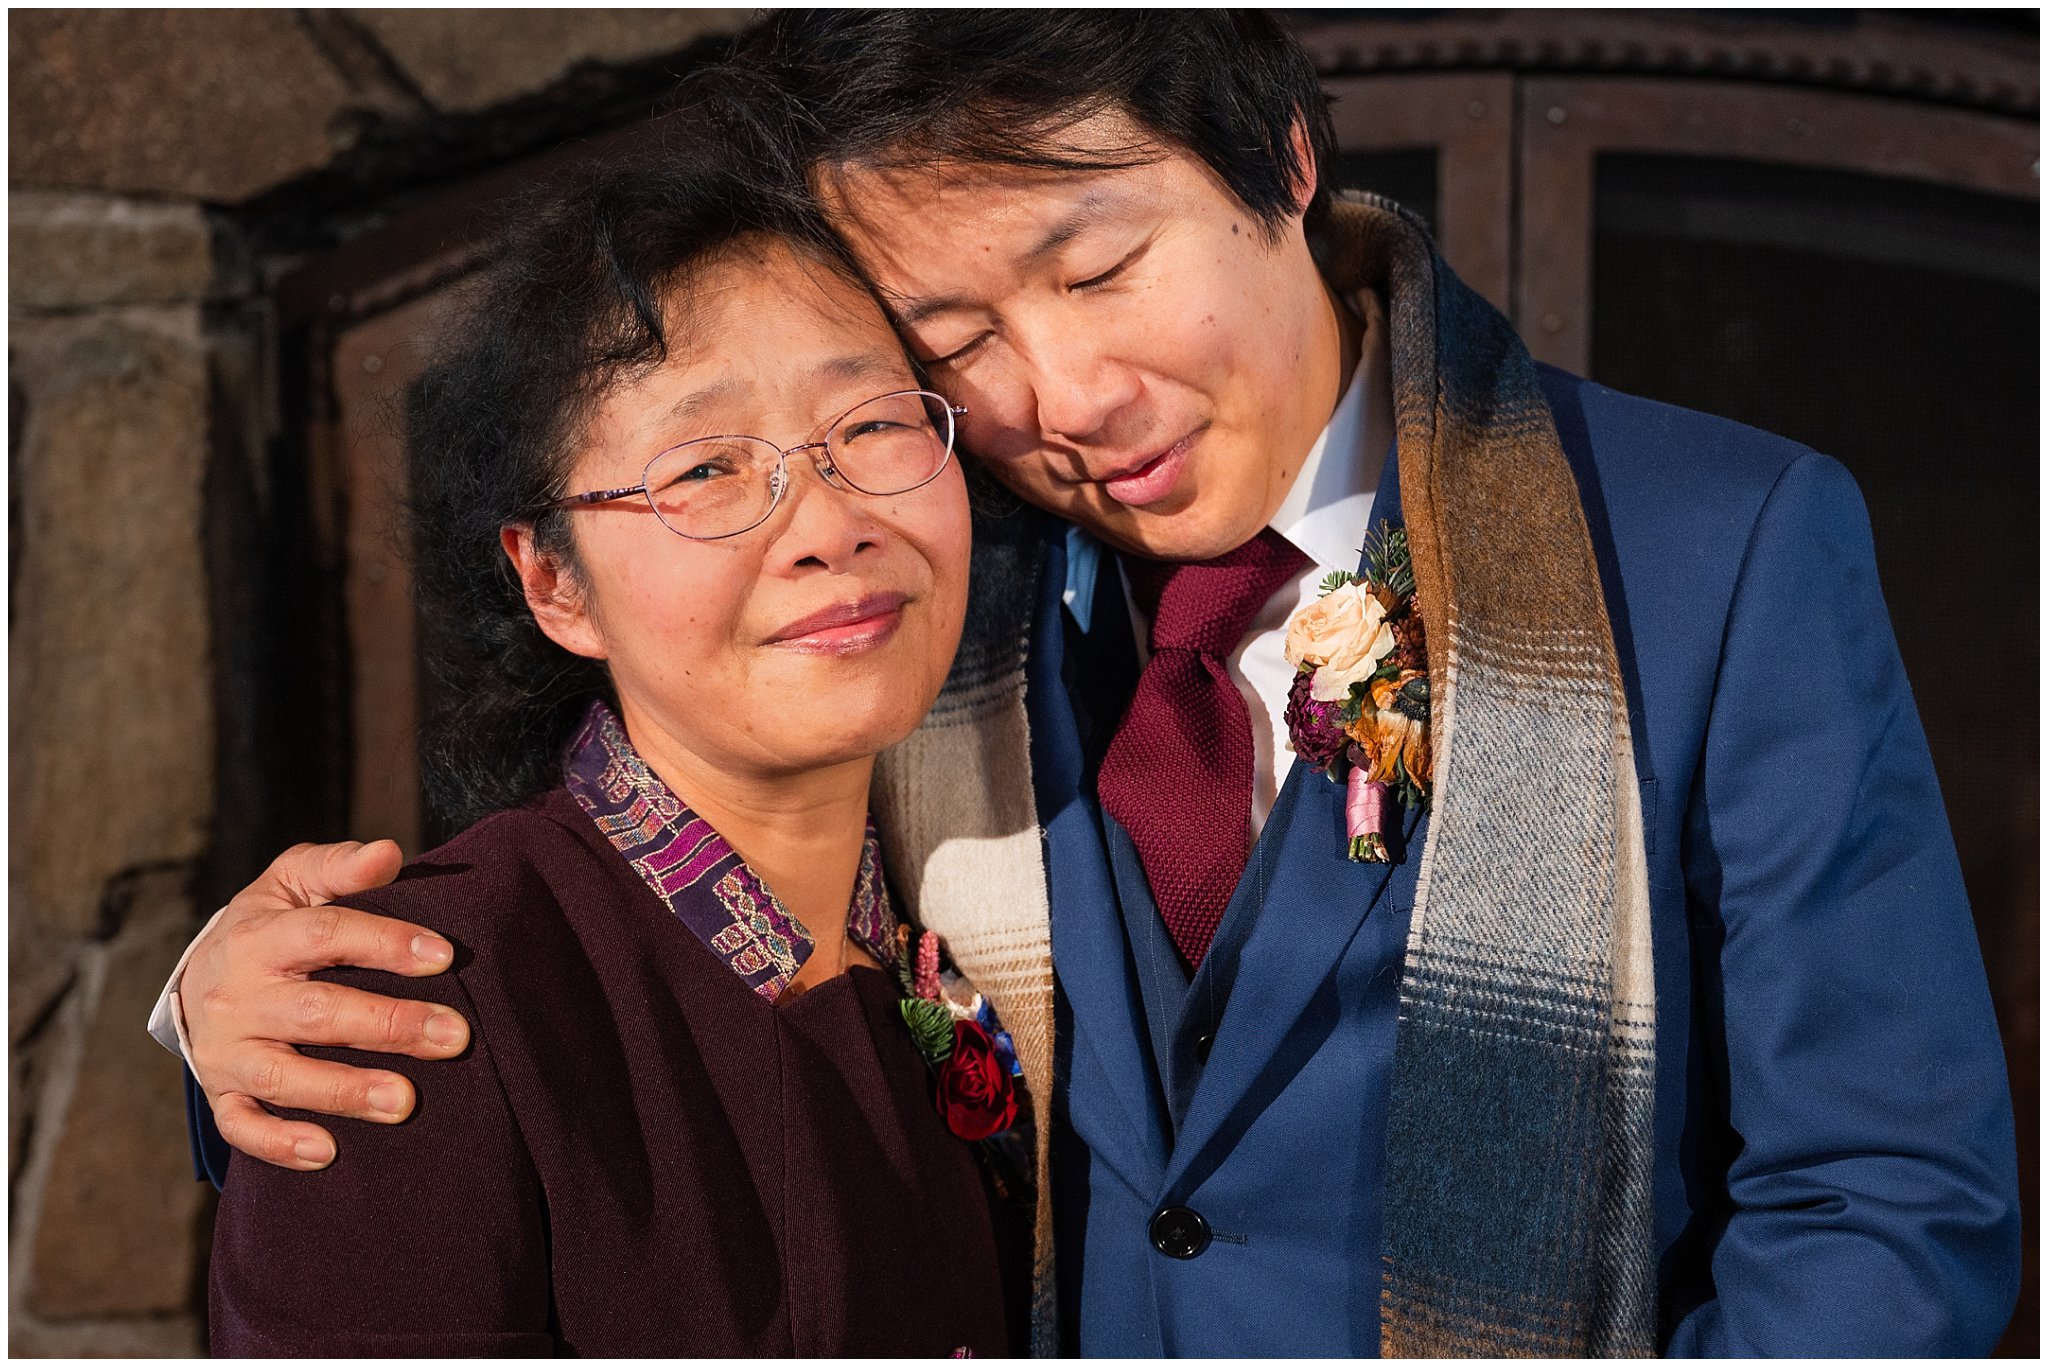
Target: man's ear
pixel 1304 177
pixel 553 593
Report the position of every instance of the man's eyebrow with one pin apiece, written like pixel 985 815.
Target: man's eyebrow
pixel 911 312
pixel 1091 209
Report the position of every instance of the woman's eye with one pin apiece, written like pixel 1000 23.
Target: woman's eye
pixel 701 473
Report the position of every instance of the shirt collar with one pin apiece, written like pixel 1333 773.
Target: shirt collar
pixel 701 878
pixel 1330 503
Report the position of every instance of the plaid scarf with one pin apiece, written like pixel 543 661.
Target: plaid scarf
pixel 1517 1212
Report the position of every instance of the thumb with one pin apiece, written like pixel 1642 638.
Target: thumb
pixel 372 865
pixel 314 875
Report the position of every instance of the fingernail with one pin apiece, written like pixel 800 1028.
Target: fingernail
pixel 388 1098
pixel 432 949
pixel 445 1030
pixel 319 1151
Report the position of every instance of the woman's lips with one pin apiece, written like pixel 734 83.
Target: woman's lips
pixel 846 628
pixel 1154 479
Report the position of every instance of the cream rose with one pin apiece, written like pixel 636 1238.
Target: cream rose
pixel 1345 635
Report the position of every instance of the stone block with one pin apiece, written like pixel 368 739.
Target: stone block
pixel 39 973
pixel 77 251
pixel 179 1337
pixel 120 1230
pixel 205 104
pixel 111 725
pixel 465 60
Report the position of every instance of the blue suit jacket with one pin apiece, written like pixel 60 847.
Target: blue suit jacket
pixel 1835 1168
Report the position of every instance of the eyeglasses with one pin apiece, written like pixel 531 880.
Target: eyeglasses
pixel 715 487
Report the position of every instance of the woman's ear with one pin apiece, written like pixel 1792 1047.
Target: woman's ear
pixel 553 593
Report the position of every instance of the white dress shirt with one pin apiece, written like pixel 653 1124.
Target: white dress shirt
pixel 1324 516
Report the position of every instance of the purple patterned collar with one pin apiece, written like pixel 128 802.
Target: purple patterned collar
pixel 698 875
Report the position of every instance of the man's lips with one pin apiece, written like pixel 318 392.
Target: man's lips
pixel 1153 478
pixel 846 627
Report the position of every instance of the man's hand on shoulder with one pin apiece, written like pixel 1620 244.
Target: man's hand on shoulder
pixel 248 999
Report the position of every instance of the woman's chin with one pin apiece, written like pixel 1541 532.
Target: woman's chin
pixel 842 735
pixel 852 707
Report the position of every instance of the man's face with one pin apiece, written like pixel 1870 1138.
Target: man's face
pixel 1134 352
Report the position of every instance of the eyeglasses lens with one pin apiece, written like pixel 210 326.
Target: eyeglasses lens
pixel 714 487
pixel 893 444
pixel 721 486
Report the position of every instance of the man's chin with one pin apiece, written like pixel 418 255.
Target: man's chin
pixel 1181 537
pixel 1180 527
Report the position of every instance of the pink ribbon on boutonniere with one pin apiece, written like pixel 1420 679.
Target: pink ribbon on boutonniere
pixel 1358 709
pixel 1365 816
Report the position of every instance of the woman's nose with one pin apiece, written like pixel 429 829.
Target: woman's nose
pixel 823 522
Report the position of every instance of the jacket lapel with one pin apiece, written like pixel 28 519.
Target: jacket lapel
pixel 1091 959
pixel 1313 901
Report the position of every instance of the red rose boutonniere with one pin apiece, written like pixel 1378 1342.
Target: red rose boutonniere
pixel 976 1094
pixel 973 1060
pixel 1359 708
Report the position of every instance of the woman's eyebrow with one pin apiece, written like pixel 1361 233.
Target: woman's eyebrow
pixel 693 405
pixel 863 365
pixel 849 368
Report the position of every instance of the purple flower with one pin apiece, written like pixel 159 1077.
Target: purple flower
pixel 1314 727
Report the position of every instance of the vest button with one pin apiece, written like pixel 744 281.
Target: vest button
pixel 1203 1042
pixel 1179 1232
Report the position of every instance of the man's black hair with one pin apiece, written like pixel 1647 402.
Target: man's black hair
pixel 581 294
pixel 899 88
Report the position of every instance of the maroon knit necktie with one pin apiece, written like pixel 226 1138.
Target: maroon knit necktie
pixel 1178 773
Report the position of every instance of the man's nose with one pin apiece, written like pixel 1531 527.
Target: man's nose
pixel 1078 385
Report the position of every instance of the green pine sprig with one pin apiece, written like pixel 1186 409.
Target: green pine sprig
pixel 1387 559
pixel 931 1026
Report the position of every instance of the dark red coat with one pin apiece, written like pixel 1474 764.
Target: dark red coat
pixel 639 1155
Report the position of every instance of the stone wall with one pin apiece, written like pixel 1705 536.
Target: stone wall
pixel 152 156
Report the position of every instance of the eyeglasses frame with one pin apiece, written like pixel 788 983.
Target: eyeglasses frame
pixel 778 482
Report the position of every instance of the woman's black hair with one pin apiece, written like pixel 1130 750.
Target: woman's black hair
pixel 897 88
pixel 577 298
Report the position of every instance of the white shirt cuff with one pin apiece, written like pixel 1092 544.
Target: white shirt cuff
pixel 167 1017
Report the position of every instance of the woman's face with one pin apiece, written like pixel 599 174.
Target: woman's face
pixel 817 638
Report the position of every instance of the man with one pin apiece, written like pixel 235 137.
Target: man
pixel 1664 1031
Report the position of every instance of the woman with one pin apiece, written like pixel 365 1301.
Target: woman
pixel 697 550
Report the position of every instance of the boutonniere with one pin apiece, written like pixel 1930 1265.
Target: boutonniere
pixel 973 1060
pixel 1359 708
